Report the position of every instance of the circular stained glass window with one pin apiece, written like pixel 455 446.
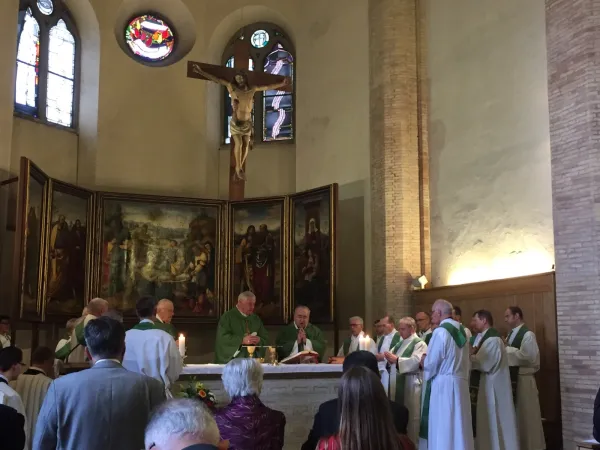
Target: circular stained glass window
pixel 150 38
pixel 259 39
pixel 45 6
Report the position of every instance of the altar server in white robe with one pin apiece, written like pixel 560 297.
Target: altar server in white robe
pixel 390 338
pixel 352 342
pixel 524 361
pixel 32 386
pixel 152 351
pixel 446 410
pixel 11 364
pixel 495 425
pixel 406 376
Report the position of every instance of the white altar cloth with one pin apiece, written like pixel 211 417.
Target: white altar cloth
pixel 217 369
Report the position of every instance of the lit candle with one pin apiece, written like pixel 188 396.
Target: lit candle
pixel 182 345
pixel 367 342
pixel 361 343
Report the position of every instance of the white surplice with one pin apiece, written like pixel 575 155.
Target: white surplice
pixel 448 366
pixel 10 397
pixel 32 389
pixel 386 343
pixel 153 353
pixel 529 417
pixel 354 342
pixel 496 418
pixel 412 386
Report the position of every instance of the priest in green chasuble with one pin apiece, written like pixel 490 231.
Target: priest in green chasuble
pixel 300 335
pixel 237 328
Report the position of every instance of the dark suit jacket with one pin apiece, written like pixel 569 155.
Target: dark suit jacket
pixel 327 422
pixel 12 433
pixel 596 429
pixel 104 407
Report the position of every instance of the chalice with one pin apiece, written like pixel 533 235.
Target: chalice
pixel 251 349
pixel 273 355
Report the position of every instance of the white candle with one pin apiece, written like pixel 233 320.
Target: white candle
pixel 367 342
pixel 361 343
pixel 182 345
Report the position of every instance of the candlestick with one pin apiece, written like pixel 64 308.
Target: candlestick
pixel 182 345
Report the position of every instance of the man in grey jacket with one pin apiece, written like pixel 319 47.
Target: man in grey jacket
pixel 104 407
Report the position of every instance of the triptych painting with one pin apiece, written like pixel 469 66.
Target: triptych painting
pixel 75 244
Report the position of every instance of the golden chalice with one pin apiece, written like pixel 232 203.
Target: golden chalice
pixel 273 355
pixel 251 349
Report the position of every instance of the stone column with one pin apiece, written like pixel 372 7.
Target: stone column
pixel 399 160
pixel 573 39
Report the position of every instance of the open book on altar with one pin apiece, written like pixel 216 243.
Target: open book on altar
pixel 305 357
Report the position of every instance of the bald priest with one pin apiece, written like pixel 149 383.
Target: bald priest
pixel 300 335
pixel 239 327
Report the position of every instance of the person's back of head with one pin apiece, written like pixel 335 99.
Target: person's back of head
pixel 97 307
pixel 366 418
pixel 105 338
pixel 43 358
pixel 180 423
pixel 10 362
pixel 361 358
pixel 145 307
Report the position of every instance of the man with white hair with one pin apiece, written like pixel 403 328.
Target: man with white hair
pixel 182 424
pixel 246 422
pixel 406 375
pixel 76 354
pixel 353 342
pixel 446 409
pixel 238 328
pixel 300 335
pixel 164 314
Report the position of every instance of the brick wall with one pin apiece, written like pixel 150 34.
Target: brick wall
pixel 573 89
pixel 399 172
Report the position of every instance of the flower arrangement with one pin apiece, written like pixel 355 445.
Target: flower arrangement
pixel 198 391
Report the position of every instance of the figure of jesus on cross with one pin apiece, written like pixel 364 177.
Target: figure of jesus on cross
pixel 242 104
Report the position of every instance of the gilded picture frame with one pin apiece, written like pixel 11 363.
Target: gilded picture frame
pixel 165 247
pixel 29 242
pixel 312 248
pixel 68 250
pixel 257 255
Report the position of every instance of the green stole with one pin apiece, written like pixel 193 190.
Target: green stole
pixel 475 379
pixel 395 341
pixel 79 333
pixel 401 377
pixel 169 328
pixel 346 346
pixel 144 326
pixel 460 339
pixel 514 370
pixel 427 338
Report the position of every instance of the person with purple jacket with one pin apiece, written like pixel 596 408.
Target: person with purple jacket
pixel 246 423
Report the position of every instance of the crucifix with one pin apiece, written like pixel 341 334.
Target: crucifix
pixel 242 84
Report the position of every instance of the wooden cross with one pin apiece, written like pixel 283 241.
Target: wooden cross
pixel 241 57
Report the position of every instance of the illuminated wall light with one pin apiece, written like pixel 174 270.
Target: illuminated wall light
pixel 515 264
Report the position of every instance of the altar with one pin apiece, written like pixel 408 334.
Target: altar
pixel 296 390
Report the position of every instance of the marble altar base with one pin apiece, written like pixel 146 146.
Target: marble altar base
pixel 296 390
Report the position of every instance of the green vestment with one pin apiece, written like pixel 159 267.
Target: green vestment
pixel 289 335
pixel 169 328
pixel 232 328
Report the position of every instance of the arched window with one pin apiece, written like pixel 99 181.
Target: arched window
pixel 46 71
pixel 271 52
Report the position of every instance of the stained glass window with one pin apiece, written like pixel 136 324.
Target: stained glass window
pixel 45 6
pixel 28 63
pixel 273 53
pixel 150 38
pixel 278 105
pixel 260 38
pixel 61 75
pixel 46 62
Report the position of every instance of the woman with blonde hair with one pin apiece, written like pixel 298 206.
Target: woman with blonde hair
pixel 366 418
